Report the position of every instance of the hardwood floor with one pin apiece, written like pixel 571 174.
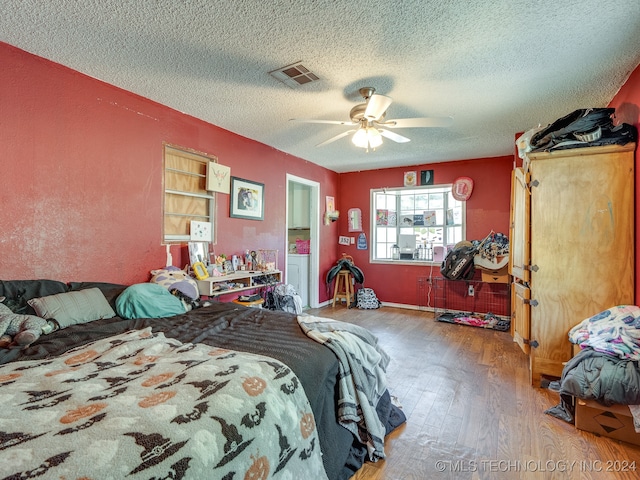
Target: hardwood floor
pixel 471 412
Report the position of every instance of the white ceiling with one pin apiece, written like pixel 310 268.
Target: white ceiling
pixel 496 66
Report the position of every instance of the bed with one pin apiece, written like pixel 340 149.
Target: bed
pixel 289 429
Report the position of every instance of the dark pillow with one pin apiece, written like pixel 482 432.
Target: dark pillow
pixel 19 291
pixel 109 290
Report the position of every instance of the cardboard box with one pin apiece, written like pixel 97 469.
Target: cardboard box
pixel 615 421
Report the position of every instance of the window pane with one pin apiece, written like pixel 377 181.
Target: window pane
pixel 422 202
pixel 436 200
pixel 429 214
pixel 407 202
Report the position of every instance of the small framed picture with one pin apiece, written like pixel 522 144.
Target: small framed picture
pixel 410 179
pixel 218 177
pixel 228 266
pixel 426 177
pixel 330 204
pixel 247 199
pixel 200 231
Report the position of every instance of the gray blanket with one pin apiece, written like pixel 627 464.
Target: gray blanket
pixel 596 376
pixel 362 382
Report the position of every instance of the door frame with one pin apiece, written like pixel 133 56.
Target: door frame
pixel 314 234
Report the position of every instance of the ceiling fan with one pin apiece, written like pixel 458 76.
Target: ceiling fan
pixel 369 118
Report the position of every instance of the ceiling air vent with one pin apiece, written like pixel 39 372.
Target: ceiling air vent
pixel 294 75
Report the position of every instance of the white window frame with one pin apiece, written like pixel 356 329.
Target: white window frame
pixel 450 233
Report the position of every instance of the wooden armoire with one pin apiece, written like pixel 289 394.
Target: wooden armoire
pixel 572 246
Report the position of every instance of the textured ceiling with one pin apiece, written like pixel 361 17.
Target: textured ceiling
pixel 496 66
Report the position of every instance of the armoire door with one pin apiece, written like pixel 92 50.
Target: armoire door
pixel 520 225
pixel 582 244
pixel 520 296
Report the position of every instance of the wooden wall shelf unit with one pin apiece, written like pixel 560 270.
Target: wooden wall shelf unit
pixel 214 286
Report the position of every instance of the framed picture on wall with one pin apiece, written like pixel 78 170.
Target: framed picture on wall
pixel 218 178
pixel 426 177
pixel 410 179
pixel 247 199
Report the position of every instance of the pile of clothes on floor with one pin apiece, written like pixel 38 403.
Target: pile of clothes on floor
pixel 482 320
pixel 606 369
pixel 283 297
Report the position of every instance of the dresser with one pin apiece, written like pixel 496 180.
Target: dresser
pixel 571 246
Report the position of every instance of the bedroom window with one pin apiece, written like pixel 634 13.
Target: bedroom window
pixel 408 222
pixel 185 194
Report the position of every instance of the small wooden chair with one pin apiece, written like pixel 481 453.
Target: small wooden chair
pixel 343 289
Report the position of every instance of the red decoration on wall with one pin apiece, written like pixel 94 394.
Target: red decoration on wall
pixel 462 188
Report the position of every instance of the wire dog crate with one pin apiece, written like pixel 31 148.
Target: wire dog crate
pixel 472 296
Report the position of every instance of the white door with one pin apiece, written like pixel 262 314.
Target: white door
pixel 313 277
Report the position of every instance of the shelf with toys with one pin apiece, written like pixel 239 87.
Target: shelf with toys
pixel 237 282
pixel 258 269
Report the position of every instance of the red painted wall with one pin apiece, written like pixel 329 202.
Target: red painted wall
pixel 627 105
pixel 81 178
pixel 81 175
pixel 487 209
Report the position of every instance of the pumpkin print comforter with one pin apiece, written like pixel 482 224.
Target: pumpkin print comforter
pixel 140 405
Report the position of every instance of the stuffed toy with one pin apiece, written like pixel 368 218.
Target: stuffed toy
pixel 172 278
pixel 20 329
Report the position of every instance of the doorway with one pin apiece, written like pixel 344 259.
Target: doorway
pixel 303 223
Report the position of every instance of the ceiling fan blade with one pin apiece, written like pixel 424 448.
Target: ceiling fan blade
pixel 419 122
pixel 331 122
pixel 337 137
pixel 393 136
pixel 376 106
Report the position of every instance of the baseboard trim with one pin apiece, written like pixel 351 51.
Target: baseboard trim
pixel 407 306
pixel 388 304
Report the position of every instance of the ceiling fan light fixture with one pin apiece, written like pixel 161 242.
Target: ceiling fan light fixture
pixel 367 137
pixel 359 138
pixel 374 137
pixel 370 123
